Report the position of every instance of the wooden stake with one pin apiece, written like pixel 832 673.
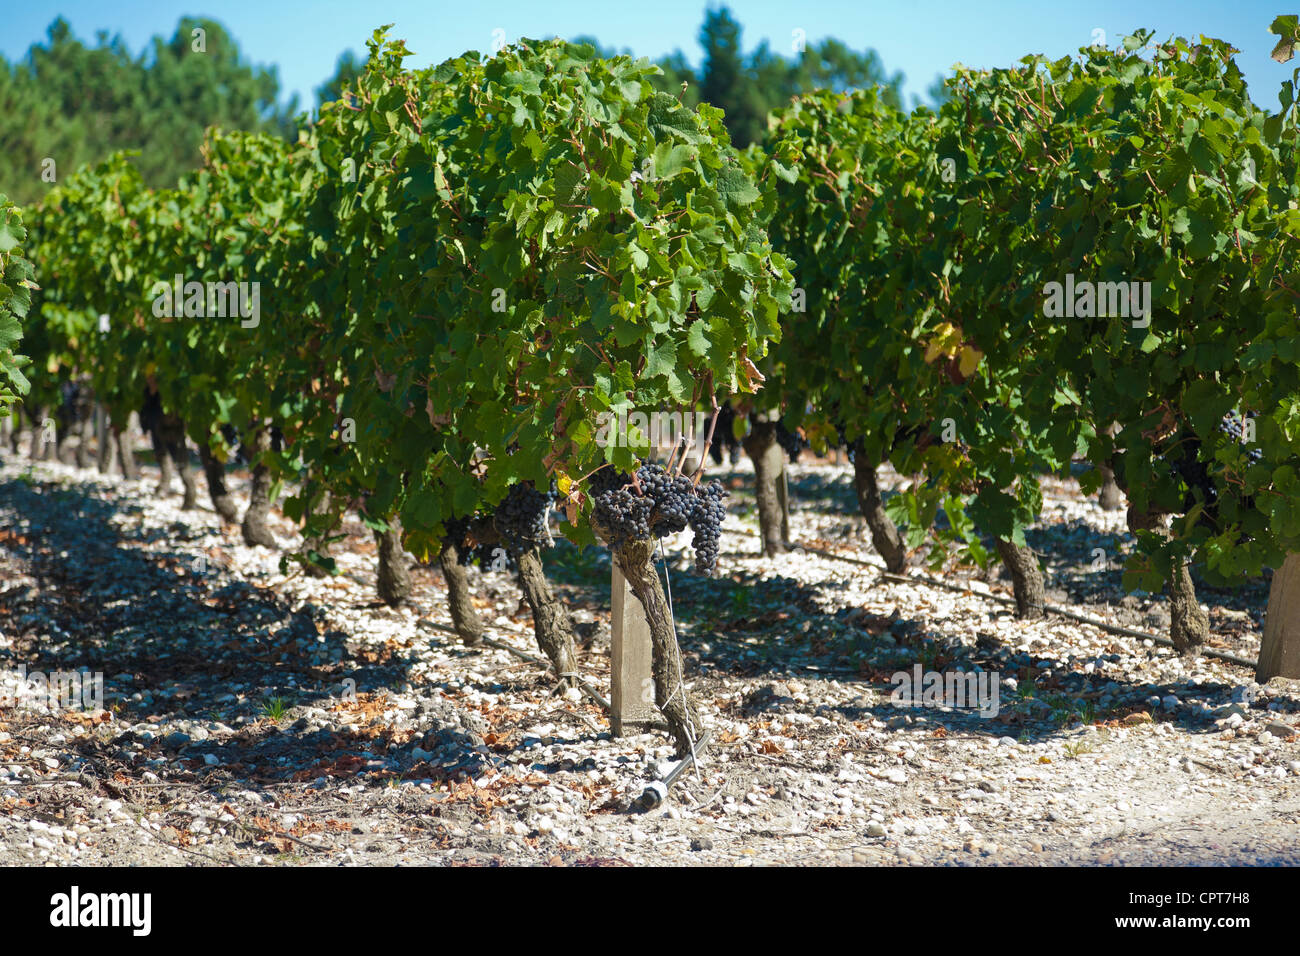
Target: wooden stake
pixel 632 690
pixel 1279 652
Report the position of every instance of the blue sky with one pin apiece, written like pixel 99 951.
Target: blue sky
pixel 922 39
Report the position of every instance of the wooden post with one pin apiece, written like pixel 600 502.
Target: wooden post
pixel 631 695
pixel 103 449
pixel 783 497
pixel 1279 651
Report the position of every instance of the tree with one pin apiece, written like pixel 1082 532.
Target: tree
pixel 938 92
pixel 67 104
pixel 346 70
pixel 725 80
pixel 830 65
pixel 747 88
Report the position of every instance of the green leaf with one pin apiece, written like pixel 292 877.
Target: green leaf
pixel 668 119
pixel 736 188
pixel 697 339
pixel 670 159
pixel 11 234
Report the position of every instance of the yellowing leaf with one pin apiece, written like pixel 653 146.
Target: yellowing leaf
pixel 946 341
pixel 969 360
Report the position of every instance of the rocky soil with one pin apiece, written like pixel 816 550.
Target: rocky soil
pixel 255 717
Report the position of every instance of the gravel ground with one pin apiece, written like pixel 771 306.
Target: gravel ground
pixel 259 719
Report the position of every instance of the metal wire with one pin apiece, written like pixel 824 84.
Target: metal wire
pixel 691 732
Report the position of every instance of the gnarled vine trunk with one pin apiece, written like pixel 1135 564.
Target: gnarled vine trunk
pixel 167 435
pixel 64 452
pixel 1026 578
pixel 464 616
pixel 1110 497
pixel 162 454
pixel 769 464
pixel 172 430
pixel 107 447
pixel 884 533
pixel 254 527
pixel 168 439
pixel 42 443
pixel 85 427
pixel 214 472
pixel 1189 625
pixel 126 453
pixel 636 561
pixel 73 437
pixel 551 622
pixel 394 579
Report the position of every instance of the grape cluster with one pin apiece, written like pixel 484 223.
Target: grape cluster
pixel 791 442
pixel 457 531
pixel 706 523
pixel 607 479
pixel 909 435
pixel 625 514
pixel 667 504
pixel 521 517
pixel 1195 474
pixel 1231 426
pixel 673 497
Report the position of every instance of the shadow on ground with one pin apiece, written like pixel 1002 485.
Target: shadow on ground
pixel 173 643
